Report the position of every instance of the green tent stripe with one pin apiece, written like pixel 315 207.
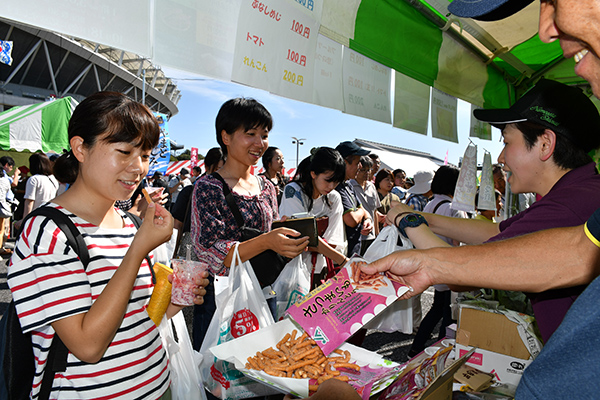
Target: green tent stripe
pixel 385 29
pixel 55 121
pixel 12 116
pixel 5 137
pixel 497 92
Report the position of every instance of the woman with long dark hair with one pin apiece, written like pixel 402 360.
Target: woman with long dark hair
pixel 311 193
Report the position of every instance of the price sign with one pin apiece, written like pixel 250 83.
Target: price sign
pixel 366 87
pixel 275 46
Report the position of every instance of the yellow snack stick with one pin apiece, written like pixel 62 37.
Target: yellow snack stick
pixel 161 295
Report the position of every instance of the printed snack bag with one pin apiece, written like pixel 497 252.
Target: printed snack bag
pixel 338 308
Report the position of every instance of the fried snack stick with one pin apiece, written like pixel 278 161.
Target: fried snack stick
pixel 301 358
pixel 161 294
pixel 147 196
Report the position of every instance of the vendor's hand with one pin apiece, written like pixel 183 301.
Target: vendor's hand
pixel 17 225
pixel 287 242
pixel 156 229
pixel 401 208
pixel 411 267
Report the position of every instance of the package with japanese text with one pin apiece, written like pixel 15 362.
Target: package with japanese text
pixel 338 308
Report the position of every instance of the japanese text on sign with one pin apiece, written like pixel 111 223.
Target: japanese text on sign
pixel 291 77
pixel 300 29
pixel 255 64
pixel 263 8
pixel 296 57
pixel 306 3
pixel 253 38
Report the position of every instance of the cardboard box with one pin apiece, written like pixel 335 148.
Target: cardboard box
pixel 504 341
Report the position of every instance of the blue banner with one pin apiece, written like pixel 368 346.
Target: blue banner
pixel 161 154
pixel 5 52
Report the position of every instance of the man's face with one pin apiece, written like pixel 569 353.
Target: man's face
pixel 576 23
pixel 352 165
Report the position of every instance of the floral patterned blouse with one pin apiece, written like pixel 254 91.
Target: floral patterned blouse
pixel 214 230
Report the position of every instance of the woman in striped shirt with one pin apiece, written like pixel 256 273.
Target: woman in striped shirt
pixel 99 313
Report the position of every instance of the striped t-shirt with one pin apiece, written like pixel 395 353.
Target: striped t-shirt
pixel 48 282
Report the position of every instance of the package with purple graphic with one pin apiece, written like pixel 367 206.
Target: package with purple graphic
pixel 338 308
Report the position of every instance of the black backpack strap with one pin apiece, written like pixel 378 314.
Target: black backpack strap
pixel 57 356
pixel 137 221
pixel 439 204
pixel 230 201
pixel 62 220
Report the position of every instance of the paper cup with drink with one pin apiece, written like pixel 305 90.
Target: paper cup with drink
pixel 185 273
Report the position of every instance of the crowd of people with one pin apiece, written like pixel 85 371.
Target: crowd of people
pixel 549 250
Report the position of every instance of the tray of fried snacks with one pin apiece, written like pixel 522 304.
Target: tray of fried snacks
pixel 283 356
pixel 335 310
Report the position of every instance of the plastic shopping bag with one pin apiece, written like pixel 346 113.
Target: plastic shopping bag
pixel 184 361
pixel 292 284
pixel 399 315
pixel 241 309
pixel 388 241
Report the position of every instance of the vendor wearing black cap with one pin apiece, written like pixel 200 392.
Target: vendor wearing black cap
pixel 356 218
pixel 548 134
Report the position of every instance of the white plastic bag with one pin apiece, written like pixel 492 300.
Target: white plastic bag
pixel 399 315
pixel 184 361
pixel 241 309
pixel 292 283
pixel 388 241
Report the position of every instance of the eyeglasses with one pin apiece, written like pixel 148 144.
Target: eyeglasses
pixel 363 169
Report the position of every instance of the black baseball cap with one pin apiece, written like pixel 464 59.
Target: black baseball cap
pixel 487 10
pixel 348 149
pixel 564 109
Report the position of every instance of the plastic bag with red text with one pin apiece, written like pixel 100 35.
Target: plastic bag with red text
pixel 241 309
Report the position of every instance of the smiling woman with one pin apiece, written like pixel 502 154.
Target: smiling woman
pixel 242 130
pixel 97 307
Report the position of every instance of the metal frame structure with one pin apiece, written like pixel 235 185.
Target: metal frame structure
pixel 47 64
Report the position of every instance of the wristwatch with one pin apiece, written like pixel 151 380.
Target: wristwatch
pixel 411 221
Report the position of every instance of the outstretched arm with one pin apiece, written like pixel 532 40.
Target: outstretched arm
pixel 549 259
pixel 471 231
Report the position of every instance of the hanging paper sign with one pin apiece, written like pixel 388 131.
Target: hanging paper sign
pixel 466 186
pixel 487 196
pixel 479 129
pixel 275 46
pixel 196 36
pixel 327 90
pixel 193 157
pixel 161 154
pixel 411 104
pixel 443 116
pixel 366 87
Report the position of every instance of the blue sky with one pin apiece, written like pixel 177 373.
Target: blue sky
pixel 202 97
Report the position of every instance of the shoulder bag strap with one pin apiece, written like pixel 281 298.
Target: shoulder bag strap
pixel 58 353
pixel 230 201
pixel 439 204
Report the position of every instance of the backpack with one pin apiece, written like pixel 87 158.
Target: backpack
pixel 17 363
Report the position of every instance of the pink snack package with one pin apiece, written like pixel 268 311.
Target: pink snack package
pixel 184 275
pixel 338 308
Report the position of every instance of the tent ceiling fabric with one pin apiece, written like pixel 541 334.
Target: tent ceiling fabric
pixel 486 63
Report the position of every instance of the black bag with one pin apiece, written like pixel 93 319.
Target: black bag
pixel 17 363
pixel 267 265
